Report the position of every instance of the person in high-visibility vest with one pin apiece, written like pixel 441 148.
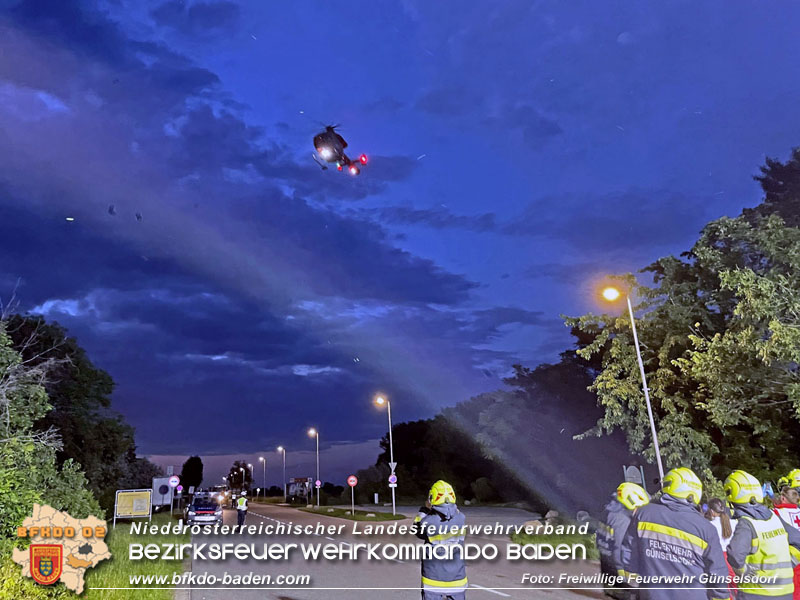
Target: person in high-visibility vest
pixel 241 508
pixel 440 522
pixel 786 507
pixel 611 529
pixel 760 546
pixel 669 544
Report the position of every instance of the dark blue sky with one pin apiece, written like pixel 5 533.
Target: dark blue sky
pixel 519 151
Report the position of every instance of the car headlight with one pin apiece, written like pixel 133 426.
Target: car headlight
pixel 191 512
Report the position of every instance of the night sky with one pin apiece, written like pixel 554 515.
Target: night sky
pixel 238 294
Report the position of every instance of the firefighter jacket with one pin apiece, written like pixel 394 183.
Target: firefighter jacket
pixel 669 544
pixel 443 524
pixel 761 546
pixel 610 532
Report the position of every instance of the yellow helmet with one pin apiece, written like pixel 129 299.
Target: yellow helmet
pixel 683 483
pixel 783 482
pixel 631 495
pixel 743 488
pixel 442 493
pixel 793 478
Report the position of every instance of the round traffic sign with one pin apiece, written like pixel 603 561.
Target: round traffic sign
pixel 318 483
pixel 163 490
pixel 352 481
pixel 174 481
pixel 392 478
pixel 180 488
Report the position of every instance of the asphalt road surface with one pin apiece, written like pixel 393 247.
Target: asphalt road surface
pixel 332 580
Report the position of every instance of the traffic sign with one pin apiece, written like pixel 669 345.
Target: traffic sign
pixel 392 466
pixel 352 481
pixel 392 485
pixel 392 478
pixel 318 483
pixel 180 488
pixel 174 481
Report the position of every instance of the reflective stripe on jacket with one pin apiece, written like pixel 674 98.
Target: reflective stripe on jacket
pixel 241 503
pixel 769 557
pixel 443 525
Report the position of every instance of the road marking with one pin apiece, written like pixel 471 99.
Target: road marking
pixel 485 589
pixel 330 538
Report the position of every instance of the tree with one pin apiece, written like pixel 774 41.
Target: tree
pixel 240 476
pixel 719 336
pixel 29 472
pixel 92 435
pixel 192 472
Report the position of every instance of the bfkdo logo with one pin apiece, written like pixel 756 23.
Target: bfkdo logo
pixel 46 562
pixel 61 547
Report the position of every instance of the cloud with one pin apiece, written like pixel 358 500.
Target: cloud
pixel 437 218
pixel 446 101
pixel 615 222
pixel 198 19
pixel 535 128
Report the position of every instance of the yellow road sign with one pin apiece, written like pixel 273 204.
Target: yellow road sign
pixel 132 503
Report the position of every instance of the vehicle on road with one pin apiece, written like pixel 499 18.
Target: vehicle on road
pixel 203 510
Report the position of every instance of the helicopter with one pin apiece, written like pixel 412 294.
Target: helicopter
pixel 330 148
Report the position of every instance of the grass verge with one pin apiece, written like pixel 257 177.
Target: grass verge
pixel 117 571
pixel 361 515
pixel 586 539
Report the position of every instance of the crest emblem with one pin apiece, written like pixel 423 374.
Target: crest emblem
pixel 46 562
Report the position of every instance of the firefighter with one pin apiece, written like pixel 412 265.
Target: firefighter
pixel 786 507
pixel 612 527
pixel 440 522
pixel 761 543
pixel 670 538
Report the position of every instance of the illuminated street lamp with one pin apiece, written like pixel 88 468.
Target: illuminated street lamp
pixel 261 459
pixel 315 434
pixel 380 401
pixel 242 471
pixel 282 450
pixel 612 294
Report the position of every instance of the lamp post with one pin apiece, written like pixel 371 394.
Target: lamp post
pixel 263 460
pixel 380 401
pixel 315 434
pixel 241 470
pixel 612 294
pixel 282 450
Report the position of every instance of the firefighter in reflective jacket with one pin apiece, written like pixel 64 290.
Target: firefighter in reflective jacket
pixel 760 546
pixel 440 523
pixel 786 507
pixel 612 527
pixel 241 509
pixel 670 544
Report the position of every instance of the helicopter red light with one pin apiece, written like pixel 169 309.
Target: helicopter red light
pixel 363 159
pixel 354 170
pixel 339 167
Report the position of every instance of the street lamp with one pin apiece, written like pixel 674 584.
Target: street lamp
pixel 611 294
pixel 315 434
pixel 242 471
pixel 264 460
pixel 282 450
pixel 380 401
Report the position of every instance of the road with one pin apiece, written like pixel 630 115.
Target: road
pixel 331 580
